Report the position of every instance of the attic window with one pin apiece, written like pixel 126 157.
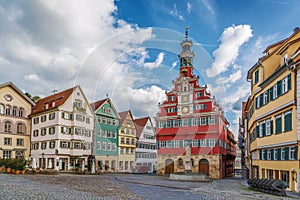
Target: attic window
pixel 47 106
pixel 53 104
pixel 78 93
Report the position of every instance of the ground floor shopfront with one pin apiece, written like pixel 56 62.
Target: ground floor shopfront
pixel 59 162
pixel 213 166
pixel 106 163
pixel 287 171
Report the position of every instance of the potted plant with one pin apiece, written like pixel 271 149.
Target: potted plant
pixel 7 165
pixel 20 165
pixel 2 163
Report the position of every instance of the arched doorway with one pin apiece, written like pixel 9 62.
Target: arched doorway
pixel 169 166
pixel 204 167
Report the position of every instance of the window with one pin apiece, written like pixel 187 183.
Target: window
pixel 7 127
pixel 43 118
pixel 180 162
pixel 266 97
pixel 122 150
pixel 64 145
pixel 269 127
pixel 7 110
pixel 7 154
pixel 278 125
pixel 43 131
pixel 77 104
pixel 256 76
pixel 51 116
pixel 35 146
pixel 103 146
pixel 14 111
pixel 172 98
pixel 108 146
pixel 198 94
pixel 98 146
pixel 275 91
pixel 1 109
pixel 77 145
pixel 282 154
pixel 43 145
pixel 292 153
pixel 20 142
pixel 103 120
pixel 51 144
pixel 51 130
pixel 19 154
pixel 21 112
pixel 122 141
pixel 285 177
pixel 127 140
pixel 114 146
pixel 99 133
pixel 36 120
pixel 7 141
pixel 20 128
pixel 132 141
pixel 87 120
pixel 35 133
pixel 200 106
pixel 287 121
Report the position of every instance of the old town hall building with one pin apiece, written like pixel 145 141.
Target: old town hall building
pixel 191 116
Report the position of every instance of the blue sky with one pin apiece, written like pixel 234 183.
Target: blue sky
pixel 128 48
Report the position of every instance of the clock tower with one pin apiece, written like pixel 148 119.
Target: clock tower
pixel 191 116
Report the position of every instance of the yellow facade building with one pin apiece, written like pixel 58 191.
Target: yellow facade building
pixel 15 107
pixel 126 142
pixel 272 113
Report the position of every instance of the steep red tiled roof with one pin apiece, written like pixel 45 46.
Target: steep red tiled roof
pixel 97 104
pixel 58 98
pixel 140 125
pixel 123 115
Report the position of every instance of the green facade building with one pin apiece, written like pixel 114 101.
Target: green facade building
pixel 106 135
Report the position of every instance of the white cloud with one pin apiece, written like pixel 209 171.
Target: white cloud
pixel 188 7
pixel 174 12
pixel 157 63
pixel 231 40
pixel 31 77
pixel 231 79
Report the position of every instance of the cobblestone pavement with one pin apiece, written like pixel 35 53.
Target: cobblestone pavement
pixel 120 186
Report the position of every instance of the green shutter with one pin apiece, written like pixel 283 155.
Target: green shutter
pixel 61 144
pixel 279 88
pixel 265 154
pixel 278 153
pixel 180 143
pixel 271 93
pixel 264 129
pixel 206 120
pixel 261 100
pixel 62 129
pixel 272 154
pixel 286 153
pixel 158 144
pixel 271 127
pixel 278 126
pixel 63 115
pixel 288 122
pixel 296 153
pixel 260 154
pixel 257 131
pixel 172 144
pixel 289 82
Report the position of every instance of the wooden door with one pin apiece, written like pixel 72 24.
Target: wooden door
pixel 169 166
pixel 276 174
pixel 204 167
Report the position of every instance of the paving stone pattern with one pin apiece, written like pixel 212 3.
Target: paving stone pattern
pixel 120 186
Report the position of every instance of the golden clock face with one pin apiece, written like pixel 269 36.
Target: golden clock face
pixel 185 109
pixel 185 98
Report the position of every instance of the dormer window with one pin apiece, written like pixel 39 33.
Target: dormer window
pixel 284 59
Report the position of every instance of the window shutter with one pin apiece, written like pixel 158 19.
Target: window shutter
pixel 62 129
pixel 71 116
pixel 264 129
pixel 271 127
pixel 256 103
pixel 69 144
pixel 257 131
pixel 70 131
pixel 261 100
pixel 61 144
pixel 271 93
pixel 296 153
pixel 158 144
pixel 63 115
pixel 289 82
pixel 279 88
pixel 260 154
pixel 272 154
pixel 206 120
pixel 180 143
pixel 286 153
pixel 278 153
pixel 265 154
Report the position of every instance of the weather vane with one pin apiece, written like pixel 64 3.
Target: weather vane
pixel 54 90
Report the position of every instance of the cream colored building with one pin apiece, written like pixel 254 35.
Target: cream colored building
pixel 126 142
pixel 15 107
pixel 272 113
pixel 62 130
